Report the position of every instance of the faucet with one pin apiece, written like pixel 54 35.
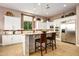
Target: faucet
pixel 13 31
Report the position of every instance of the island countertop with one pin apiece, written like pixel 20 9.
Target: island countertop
pixel 36 32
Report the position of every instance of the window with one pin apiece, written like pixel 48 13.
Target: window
pixel 27 22
pixel 27 25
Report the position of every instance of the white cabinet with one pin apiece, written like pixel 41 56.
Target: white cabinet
pixel 12 39
pixel 41 25
pixel 6 39
pixel 50 24
pixel 12 23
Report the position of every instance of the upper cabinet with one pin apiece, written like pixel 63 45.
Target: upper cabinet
pixel 43 25
pixel 39 25
pixel 12 23
pixel 70 19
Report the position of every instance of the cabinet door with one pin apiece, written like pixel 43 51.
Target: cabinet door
pixel 6 39
pixel 8 22
pixel 41 25
pixel 12 39
pixel 17 38
pixel 16 23
pixel 12 23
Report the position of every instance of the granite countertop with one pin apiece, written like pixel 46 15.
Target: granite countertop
pixel 29 33
pixel 37 32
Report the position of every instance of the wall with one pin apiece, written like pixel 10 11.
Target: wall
pixel 59 15
pixel 77 25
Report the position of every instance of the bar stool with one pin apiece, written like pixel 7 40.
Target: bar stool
pixel 52 40
pixel 41 41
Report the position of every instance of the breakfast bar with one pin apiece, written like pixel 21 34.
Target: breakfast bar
pixel 29 42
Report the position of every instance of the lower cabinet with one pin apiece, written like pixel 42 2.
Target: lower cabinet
pixel 12 39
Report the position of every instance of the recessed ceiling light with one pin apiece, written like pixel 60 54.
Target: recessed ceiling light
pixel 65 5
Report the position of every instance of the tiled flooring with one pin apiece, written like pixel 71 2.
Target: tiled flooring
pixel 63 49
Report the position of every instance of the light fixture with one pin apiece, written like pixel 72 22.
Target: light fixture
pixel 38 19
pixel 65 5
pixel 41 20
pixel 47 6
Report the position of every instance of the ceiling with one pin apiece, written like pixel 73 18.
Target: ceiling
pixel 42 9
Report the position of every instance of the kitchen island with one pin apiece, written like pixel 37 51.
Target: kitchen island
pixel 29 43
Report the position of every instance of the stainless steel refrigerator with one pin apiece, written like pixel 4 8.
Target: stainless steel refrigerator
pixel 68 33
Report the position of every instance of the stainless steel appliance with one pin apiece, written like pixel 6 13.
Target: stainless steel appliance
pixel 68 33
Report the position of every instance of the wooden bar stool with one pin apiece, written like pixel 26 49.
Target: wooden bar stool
pixel 41 41
pixel 52 40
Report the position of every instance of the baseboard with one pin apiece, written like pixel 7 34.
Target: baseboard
pixel 77 44
pixel 69 42
pixel 10 44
